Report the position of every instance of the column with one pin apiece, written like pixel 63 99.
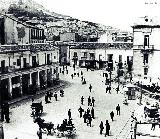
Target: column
pixel 20 87
pixel 10 87
pixel 38 81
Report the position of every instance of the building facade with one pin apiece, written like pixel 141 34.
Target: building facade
pixel 101 55
pixel 25 69
pixel 14 31
pixel 146 51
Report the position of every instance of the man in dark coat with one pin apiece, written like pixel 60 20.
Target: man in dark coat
pixel 92 112
pixel 90 88
pixel 118 109
pixel 39 133
pixel 85 116
pixel 81 73
pixel 46 99
pixel 6 112
pixel 93 100
pixel 55 96
pixel 80 111
pixel 101 127
pixel 72 76
pixel 69 113
pixel 89 120
pixel 107 128
pixel 89 101
pixel 112 115
pixel 82 100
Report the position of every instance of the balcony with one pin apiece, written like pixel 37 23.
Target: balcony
pixel 150 47
pixel 84 58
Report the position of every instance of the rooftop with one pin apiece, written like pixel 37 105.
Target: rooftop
pixel 93 45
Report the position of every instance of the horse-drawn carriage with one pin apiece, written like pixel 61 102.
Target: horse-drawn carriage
pixel 37 109
pixel 65 129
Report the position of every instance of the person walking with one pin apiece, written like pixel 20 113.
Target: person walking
pixel 89 120
pixel 6 112
pixel 81 73
pixel 112 115
pixel 101 127
pixel 107 89
pixel 78 74
pixel 88 112
pixel 69 113
pixel 89 101
pixel 93 100
pixel 92 112
pixel 118 109
pixel 72 76
pixel 46 98
pixel 90 88
pixel 85 117
pixel 82 78
pixel 80 111
pixel 117 89
pixel 107 128
pixel 55 96
pixel 82 100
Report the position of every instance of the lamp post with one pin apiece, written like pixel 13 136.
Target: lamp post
pixel 140 99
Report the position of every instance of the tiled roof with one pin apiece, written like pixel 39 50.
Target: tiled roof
pixel 102 46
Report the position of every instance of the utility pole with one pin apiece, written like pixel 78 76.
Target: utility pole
pixel 140 100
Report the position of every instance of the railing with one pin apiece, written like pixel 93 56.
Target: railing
pixel 27 47
pixel 149 47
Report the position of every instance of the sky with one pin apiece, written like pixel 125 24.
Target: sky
pixel 116 13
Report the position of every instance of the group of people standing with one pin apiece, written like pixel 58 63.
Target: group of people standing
pixel 49 95
pixel 107 125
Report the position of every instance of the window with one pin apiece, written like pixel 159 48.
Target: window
pixel 145 58
pixel 54 57
pixel 75 54
pixel 145 71
pixel 110 57
pixel 120 58
pixel 85 54
pixel 146 40
pixel 18 62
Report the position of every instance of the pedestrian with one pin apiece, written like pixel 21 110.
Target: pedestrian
pixel 74 67
pixel 118 109
pixel 89 101
pixel 84 81
pixel 49 95
pixel 63 68
pixel 2 112
pixel 63 72
pixel 80 111
pixel 90 88
pixel 101 127
pixel 82 78
pixel 88 112
pixel 46 98
pixel 78 74
pixel 82 100
pixel 66 71
pixel 6 112
pixel 55 96
pixel 60 70
pixel 61 93
pixel 117 89
pixel 92 112
pixel 81 73
pixel 107 89
pixel 66 67
pixel 85 116
pixel 39 133
pixel 89 120
pixel 93 100
pixel 112 115
pixel 69 113
pixel 107 128
pixel 72 76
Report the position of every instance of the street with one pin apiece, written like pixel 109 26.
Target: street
pixel 23 127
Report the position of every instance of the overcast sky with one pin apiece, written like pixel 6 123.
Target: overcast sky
pixel 116 13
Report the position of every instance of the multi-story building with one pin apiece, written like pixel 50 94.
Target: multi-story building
pixel 26 68
pixel 14 31
pixel 146 53
pixel 101 55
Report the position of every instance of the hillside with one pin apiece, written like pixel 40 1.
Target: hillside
pixel 30 11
